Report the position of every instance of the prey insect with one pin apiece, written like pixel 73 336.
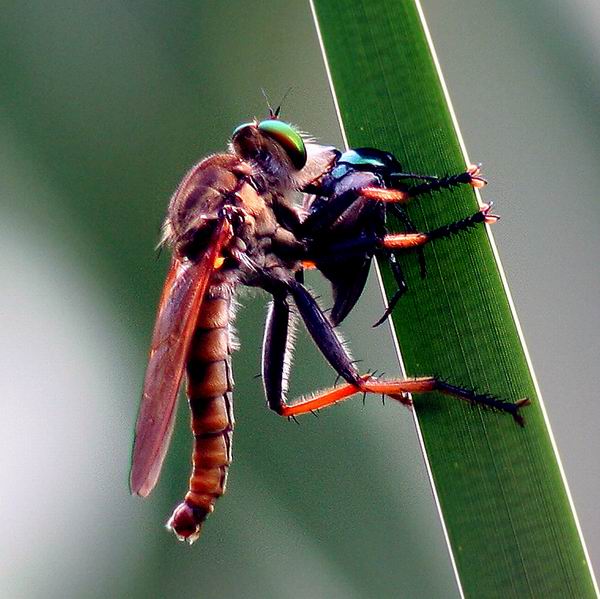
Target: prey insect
pixel 232 221
pixel 346 222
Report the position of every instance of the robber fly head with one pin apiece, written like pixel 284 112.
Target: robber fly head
pixel 274 145
pixel 281 151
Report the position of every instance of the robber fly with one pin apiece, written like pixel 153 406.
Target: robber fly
pixel 232 221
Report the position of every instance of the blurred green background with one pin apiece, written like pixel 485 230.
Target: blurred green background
pixel 104 105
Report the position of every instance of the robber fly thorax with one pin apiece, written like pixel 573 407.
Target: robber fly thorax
pixel 255 183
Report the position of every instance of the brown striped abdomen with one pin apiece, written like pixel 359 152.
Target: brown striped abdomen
pixel 209 387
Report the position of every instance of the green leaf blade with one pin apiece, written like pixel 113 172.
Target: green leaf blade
pixel 501 492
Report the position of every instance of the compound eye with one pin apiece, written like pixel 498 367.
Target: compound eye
pixel 288 138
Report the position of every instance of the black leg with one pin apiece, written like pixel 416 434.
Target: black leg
pixel 400 176
pixel 317 324
pixel 483 216
pixel 275 355
pixel 322 333
pixel 469 177
pixel 400 281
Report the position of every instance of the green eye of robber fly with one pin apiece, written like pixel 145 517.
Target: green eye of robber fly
pixel 288 138
pixel 285 135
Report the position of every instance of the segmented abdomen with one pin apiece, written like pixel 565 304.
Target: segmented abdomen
pixel 209 387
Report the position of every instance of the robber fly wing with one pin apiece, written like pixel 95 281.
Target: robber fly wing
pixel 178 311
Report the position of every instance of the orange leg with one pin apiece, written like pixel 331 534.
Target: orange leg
pixel 401 241
pixel 380 194
pixel 399 389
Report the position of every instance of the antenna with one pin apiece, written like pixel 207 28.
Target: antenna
pixel 278 109
pixel 273 114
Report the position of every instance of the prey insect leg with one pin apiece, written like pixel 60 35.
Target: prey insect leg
pixel 401 214
pixel 471 177
pixel 399 241
pixel 417 240
pixel 400 282
pixel 404 241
